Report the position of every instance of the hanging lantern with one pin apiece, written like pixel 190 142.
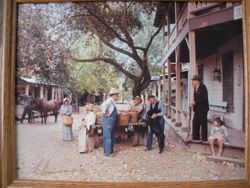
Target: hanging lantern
pixel 217 74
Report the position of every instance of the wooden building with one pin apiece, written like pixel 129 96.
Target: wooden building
pixel 37 88
pixel 206 39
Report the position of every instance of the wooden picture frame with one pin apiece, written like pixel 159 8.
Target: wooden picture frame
pixel 7 111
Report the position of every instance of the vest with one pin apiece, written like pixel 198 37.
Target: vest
pixel 154 110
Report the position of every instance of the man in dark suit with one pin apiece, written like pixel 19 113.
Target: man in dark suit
pixel 200 106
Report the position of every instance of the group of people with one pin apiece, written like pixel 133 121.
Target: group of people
pixel 153 116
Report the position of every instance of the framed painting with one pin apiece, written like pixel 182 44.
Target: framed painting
pixel 204 41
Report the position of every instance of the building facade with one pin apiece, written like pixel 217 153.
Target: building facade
pixel 206 39
pixel 38 89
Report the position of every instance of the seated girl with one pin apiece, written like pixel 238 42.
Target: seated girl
pixel 219 135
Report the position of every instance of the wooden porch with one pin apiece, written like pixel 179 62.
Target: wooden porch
pixel 192 32
pixel 234 149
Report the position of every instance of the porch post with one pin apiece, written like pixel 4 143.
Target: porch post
pixel 53 93
pixel 192 65
pixel 41 92
pixel 163 84
pixel 159 89
pixel 169 89
pixel 177 11
pixel 45 93
pixel 191 73
pixel 178 86
pixel 56 94
pixel 27 88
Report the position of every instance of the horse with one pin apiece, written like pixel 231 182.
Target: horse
pixel 44 107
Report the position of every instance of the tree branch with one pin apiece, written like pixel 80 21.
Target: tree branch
pixel 109 61
pixel 106 25
pixel 130 43
pixel 153 36
pixel 113 46
pixel 129 40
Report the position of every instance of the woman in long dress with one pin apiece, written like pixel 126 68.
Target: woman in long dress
pixel 66 110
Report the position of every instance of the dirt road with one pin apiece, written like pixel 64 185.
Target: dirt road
pixel 43 155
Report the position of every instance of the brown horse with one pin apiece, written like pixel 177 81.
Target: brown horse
pixel 44 107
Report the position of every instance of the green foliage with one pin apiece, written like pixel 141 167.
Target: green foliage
pixel 116 37
pixel 93 77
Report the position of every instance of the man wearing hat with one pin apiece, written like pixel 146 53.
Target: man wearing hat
pixel 108 121
pixel 27 107
pixel 142 131
pixel 155 117
pixel 200 106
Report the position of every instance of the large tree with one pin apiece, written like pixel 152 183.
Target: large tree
pixel 48 34
pixel 116 24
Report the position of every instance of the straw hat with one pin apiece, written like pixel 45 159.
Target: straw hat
pixel 114 92
pixel 90 107
pixel 66 99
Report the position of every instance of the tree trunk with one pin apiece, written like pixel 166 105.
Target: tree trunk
pixel 136 91
pixel 139 87
pixel 142 82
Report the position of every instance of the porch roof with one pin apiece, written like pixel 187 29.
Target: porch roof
pixel 35 80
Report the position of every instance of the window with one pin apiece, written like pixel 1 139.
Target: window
pixel 227 71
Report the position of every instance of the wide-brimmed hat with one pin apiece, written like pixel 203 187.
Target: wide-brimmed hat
pixel 137 97
pixel 66 99
pixel 90 107
pixel 196 77
pixel 114 92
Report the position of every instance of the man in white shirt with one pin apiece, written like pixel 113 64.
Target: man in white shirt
pixel 108 121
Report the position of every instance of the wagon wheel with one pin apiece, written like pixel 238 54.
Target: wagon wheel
pixel 135 139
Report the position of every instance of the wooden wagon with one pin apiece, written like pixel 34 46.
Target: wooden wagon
pixel 124 121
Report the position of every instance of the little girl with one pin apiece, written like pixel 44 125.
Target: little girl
pixel 85 142
pixel 218 134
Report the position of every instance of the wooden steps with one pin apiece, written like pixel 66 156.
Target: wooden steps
pixel 223 159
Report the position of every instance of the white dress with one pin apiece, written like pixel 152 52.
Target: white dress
pixel 90 120
pixel 219 133
pixel 67 133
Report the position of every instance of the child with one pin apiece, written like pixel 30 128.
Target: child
pixel 85 140
pixel 218 133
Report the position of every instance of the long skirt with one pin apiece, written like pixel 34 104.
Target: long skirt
pixel 67 133
pixel 82 140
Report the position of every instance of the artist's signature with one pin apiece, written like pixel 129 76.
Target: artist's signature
pixel 42 168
